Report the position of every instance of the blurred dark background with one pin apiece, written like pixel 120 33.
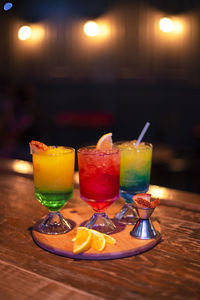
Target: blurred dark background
pixel 62 87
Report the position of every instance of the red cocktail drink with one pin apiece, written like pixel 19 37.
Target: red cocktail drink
pixel 99 172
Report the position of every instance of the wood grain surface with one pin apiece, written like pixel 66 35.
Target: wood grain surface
pixel 171 270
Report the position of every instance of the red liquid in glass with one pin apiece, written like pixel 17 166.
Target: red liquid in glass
pixel 99 177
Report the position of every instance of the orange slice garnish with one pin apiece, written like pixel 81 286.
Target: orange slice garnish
pixel 109 239
pixel 105 142
pixel 98 240
pixel 83 240
pixel 36 147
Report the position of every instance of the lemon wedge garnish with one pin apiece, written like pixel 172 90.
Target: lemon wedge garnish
pixel 105 142
pixel 83 240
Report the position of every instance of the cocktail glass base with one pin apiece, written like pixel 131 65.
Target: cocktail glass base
pixel 101 223
pixel 53 223
pixel 127 215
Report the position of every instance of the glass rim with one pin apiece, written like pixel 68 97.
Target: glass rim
pixel 149 145
pixel 98 152
pixel 56 154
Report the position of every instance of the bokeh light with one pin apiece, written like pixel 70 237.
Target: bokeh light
pixel 37 32
pixel 166 25
pixel 177 27
pixel 91 28
pixel 23 167
pixel 7 6
pixel 24 33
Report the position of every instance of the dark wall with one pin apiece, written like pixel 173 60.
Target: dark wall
pixel 70 89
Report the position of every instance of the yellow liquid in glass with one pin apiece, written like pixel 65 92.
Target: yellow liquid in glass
pixel 54 169
pixel 54 176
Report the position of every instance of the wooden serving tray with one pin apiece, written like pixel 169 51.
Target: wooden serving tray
pixel 126 244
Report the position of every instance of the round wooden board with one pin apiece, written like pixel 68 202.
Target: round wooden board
pixel 126 245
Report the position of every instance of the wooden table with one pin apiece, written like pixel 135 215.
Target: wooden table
pixel 171 270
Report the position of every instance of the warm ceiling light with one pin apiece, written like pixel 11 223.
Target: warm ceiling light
pixel 24 33
pixel 177 27
pixel 166 25
pixel 37 32
pixel 91 28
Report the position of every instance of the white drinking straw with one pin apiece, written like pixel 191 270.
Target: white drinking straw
pixel 142 133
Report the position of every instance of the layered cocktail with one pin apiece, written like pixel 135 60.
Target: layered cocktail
pixel 53 169
pixel 134 175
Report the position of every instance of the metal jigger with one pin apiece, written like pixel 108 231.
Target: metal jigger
pixel 144 228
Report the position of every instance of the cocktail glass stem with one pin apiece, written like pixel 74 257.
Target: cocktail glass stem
pixel 53 223
pixel 101 223
pixel 127 214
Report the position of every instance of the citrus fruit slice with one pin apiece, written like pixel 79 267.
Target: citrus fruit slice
pixel 109 239
pixel 83 240
pixel 36 147
pixel 144 196
pixel 143 200
pixel 142 203
pixel 155 202
pixel 105 142
pixel 98 240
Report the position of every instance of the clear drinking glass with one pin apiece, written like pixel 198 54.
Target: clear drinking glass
pixel 53 172
pixel 99 173
pixel 135 169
